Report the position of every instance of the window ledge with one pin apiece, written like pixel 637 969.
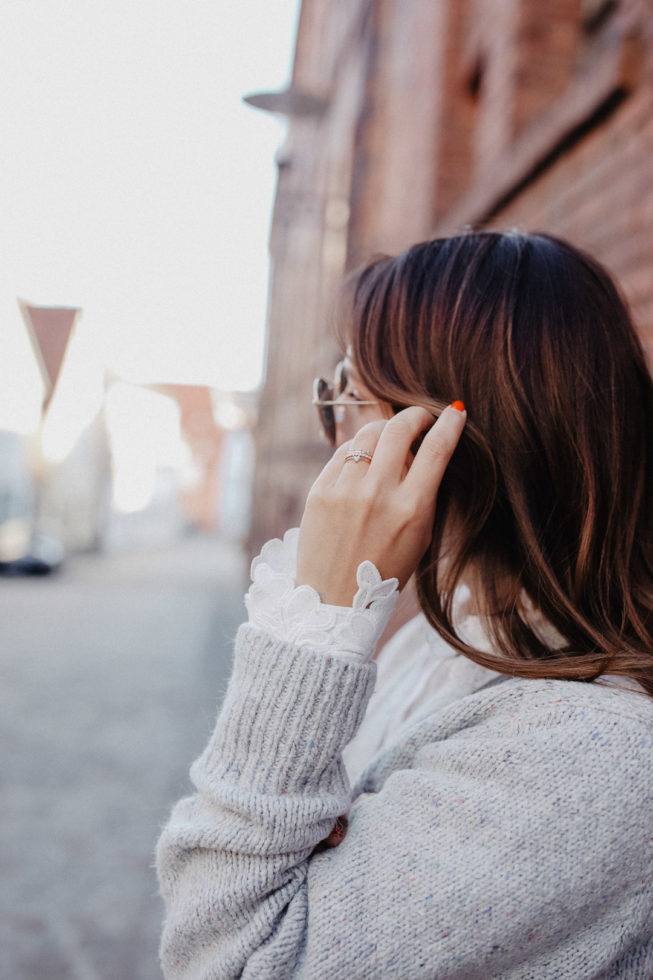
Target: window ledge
pixel 589 99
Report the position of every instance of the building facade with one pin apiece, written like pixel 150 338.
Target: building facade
pixel 410 119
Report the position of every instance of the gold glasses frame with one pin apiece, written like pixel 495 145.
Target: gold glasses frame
pixel 325 402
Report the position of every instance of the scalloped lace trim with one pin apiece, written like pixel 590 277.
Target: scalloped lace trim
pixel 296 615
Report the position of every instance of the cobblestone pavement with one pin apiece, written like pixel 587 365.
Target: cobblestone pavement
pixel 110 676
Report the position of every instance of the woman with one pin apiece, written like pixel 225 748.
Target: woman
pixel 501 822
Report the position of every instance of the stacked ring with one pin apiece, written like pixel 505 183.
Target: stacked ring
pixel 358 454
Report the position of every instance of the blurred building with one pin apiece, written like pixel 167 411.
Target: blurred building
pixel 178 451
pixel 205 440
pixel 217 429
pixel 414 118
pixel 73 494
pixel 16 485
pixel 112 464
pixel 63 493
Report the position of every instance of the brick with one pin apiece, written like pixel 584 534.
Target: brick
pixel 423 98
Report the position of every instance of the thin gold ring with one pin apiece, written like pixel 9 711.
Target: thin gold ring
pixel 358 454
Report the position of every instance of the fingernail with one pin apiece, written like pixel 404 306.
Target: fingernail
pixel 459 406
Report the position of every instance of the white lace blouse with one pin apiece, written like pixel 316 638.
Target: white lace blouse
pixel 418 671
pixel 296 615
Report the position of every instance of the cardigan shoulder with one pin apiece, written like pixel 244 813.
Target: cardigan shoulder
pixel 505 834
pixel 541 713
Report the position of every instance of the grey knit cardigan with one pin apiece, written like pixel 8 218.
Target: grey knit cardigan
pixel 507 835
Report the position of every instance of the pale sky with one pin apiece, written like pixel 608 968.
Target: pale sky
pixel 135 184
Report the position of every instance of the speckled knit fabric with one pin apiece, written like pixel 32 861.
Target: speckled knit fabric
pixel 509 834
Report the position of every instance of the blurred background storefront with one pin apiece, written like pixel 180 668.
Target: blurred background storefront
pixel 111 464
pixel 410 119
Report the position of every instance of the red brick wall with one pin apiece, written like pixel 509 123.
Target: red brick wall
pixel 598 189
pixel 441 114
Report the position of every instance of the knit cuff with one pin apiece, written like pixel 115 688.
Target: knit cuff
pixel 287 715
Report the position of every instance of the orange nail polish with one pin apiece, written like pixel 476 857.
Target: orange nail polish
pixel 459 406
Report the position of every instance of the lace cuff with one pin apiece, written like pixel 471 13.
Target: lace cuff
pixel 296 615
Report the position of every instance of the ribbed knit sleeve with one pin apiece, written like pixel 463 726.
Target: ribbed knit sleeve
pixel 508 835
pixel 271 784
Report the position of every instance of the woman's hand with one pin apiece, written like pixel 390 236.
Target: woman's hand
pixel 382 511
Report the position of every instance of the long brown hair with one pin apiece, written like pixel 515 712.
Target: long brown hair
pixel 551 487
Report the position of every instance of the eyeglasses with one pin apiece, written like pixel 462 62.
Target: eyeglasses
pixel 326 397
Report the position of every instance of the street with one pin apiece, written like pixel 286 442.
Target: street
pixel 111 673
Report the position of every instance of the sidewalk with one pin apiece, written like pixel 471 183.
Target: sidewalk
pixel 111 676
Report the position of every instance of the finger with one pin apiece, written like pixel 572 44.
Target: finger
pixel 336 836
pixel 432 459
pixel 392 452
pixel 338 833
pixel 366 439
